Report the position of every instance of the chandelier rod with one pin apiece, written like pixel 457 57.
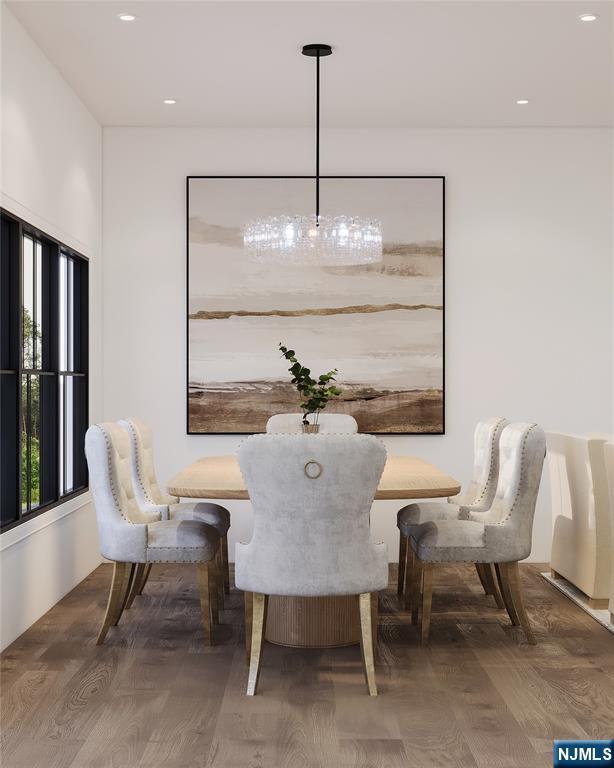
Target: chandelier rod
pixel 318 140
pixel 317 50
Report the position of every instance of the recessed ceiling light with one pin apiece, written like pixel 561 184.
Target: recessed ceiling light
pixel 522 101
pixel 126 17
pixel 170 101
pixel 588 17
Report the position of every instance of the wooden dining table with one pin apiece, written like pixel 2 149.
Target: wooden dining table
pixel 313 622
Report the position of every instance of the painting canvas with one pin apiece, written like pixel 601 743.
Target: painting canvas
pixel 381 325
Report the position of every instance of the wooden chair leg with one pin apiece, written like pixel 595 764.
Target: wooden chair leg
pixel 220 578
pixel 427 598
pixel 128 579
pixel 416 588
pixel 512 577
pixel 214 577
pixel 115 599
pixel 135 586
pixel 506 594
pixel 366 641
pixel 479 567
pixel 259 609
pixel 374 621
pixel 225 564
pixel 249 610
pixel 145 577
pixel 491 587
pixel 204 589
pixel 410 577
pixel 402 564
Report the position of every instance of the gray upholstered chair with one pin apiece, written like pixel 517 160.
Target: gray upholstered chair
pixel 151 498
pixel 478 495
pixel 330 423
pixel 130 537
pixel 501 535
pixel 311 497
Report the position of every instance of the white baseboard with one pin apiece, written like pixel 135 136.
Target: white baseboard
pixel 579 598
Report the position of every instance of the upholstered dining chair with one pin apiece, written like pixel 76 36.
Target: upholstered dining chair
pixel 311 497
pixel 151 498
pixel 477 496
pixel 330 423
pixel 130 537
pixel 501 535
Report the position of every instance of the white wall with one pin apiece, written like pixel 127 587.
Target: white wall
pixel 51 177
pixel 528 277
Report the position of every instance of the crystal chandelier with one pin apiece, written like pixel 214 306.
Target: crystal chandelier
pixel 312 238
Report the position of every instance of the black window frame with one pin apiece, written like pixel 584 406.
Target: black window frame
pixel 47 366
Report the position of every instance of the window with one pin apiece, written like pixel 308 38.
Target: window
pixel 43 371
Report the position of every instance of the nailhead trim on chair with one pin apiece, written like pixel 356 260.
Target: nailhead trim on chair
pixel 152 560
pixel 512 507
pixel 180 562
pixel 118 504
pixel 492 465
pixel 432 560
pixel 466 509
pixel 139 456
pixel 522 461
pixel 134 439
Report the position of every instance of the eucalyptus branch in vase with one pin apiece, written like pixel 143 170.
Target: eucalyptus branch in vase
pixel 315 393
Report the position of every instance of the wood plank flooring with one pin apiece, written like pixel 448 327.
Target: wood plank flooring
pixel 153 695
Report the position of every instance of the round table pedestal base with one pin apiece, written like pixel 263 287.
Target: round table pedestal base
pixel 313 622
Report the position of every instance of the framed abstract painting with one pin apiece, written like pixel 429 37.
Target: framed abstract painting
pixel 381 325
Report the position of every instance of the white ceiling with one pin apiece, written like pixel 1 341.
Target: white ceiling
pixel 395 63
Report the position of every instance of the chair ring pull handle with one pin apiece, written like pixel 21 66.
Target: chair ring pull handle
pixel 312 469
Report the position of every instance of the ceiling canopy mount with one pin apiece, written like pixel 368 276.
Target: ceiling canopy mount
pixel 317 49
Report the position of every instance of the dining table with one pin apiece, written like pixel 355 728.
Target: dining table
pixel 313 622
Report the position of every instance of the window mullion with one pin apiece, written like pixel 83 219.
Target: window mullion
pixel 19 355
pixel 34 306
pixel 29 441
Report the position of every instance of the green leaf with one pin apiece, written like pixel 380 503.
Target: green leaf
pixel 315 394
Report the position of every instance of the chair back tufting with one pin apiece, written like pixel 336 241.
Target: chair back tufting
pixel 480 491
pixel 147 490
pixel 522 451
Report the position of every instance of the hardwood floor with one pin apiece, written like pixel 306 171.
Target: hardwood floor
pixel 153 695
